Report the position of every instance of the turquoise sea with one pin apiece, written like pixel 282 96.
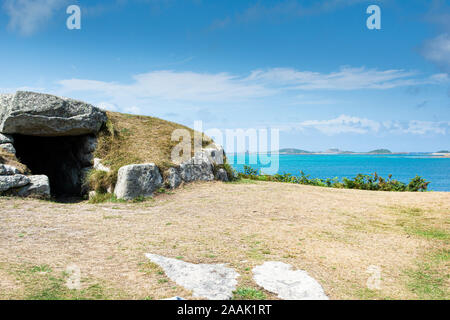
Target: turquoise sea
pixel 402 167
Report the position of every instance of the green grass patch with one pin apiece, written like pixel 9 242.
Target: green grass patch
pixel 248 294
pixel 110 197
pixel 429 233
pixel 429 280
pixel 42 283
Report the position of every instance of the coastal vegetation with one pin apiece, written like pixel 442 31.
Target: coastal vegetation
pixel 381 151
pixel 361 181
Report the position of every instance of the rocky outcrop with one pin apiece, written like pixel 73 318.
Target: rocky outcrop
pixel 36 114
pixel 52 135
pixel 137 180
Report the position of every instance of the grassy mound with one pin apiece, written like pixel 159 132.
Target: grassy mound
pixel 127 139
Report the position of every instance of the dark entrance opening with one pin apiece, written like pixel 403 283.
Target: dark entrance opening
pixel 59 158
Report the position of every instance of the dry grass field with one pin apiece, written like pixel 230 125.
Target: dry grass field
pixel 333 234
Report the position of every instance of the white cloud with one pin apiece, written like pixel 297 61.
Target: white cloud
pixel 356 125
pixel 437 50
pixel 132 110
pixel 171 85
pixel 418 127
pixel 107 106
pixel 166 85
pixel 346 78
pixel 342 124
pixel 26 16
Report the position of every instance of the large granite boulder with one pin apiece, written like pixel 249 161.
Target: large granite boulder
pixel 13 181
pixel 199 168
pixel 37 114
pixel 39 187
pixel 137 180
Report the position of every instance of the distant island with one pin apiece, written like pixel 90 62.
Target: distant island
pixel 336 151
pixel 381 151
pixel 292 151
pixel 331 151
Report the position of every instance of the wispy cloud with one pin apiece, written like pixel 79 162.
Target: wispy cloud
pixel 171 85
pixel 195 87
pixel 27 16
pixel 342 124
pixel 356 125
pixel 347 78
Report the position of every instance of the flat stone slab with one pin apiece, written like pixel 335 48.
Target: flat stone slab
pixel 210 281
pixel 279 278
pixel 37 114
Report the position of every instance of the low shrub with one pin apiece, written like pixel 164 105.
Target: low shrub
pixel 361 181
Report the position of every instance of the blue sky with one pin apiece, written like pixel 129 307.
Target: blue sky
pixel 310 68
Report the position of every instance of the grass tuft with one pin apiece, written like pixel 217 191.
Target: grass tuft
pixel 248 294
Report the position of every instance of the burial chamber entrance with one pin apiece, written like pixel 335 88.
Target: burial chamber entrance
pixel 63 159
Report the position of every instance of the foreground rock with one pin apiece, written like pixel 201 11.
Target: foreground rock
pixel 13 181
pixel 137 180
pixel 199 168
pixel 36 114
pixel 210 281
pixel 39 187
pixel 279 278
